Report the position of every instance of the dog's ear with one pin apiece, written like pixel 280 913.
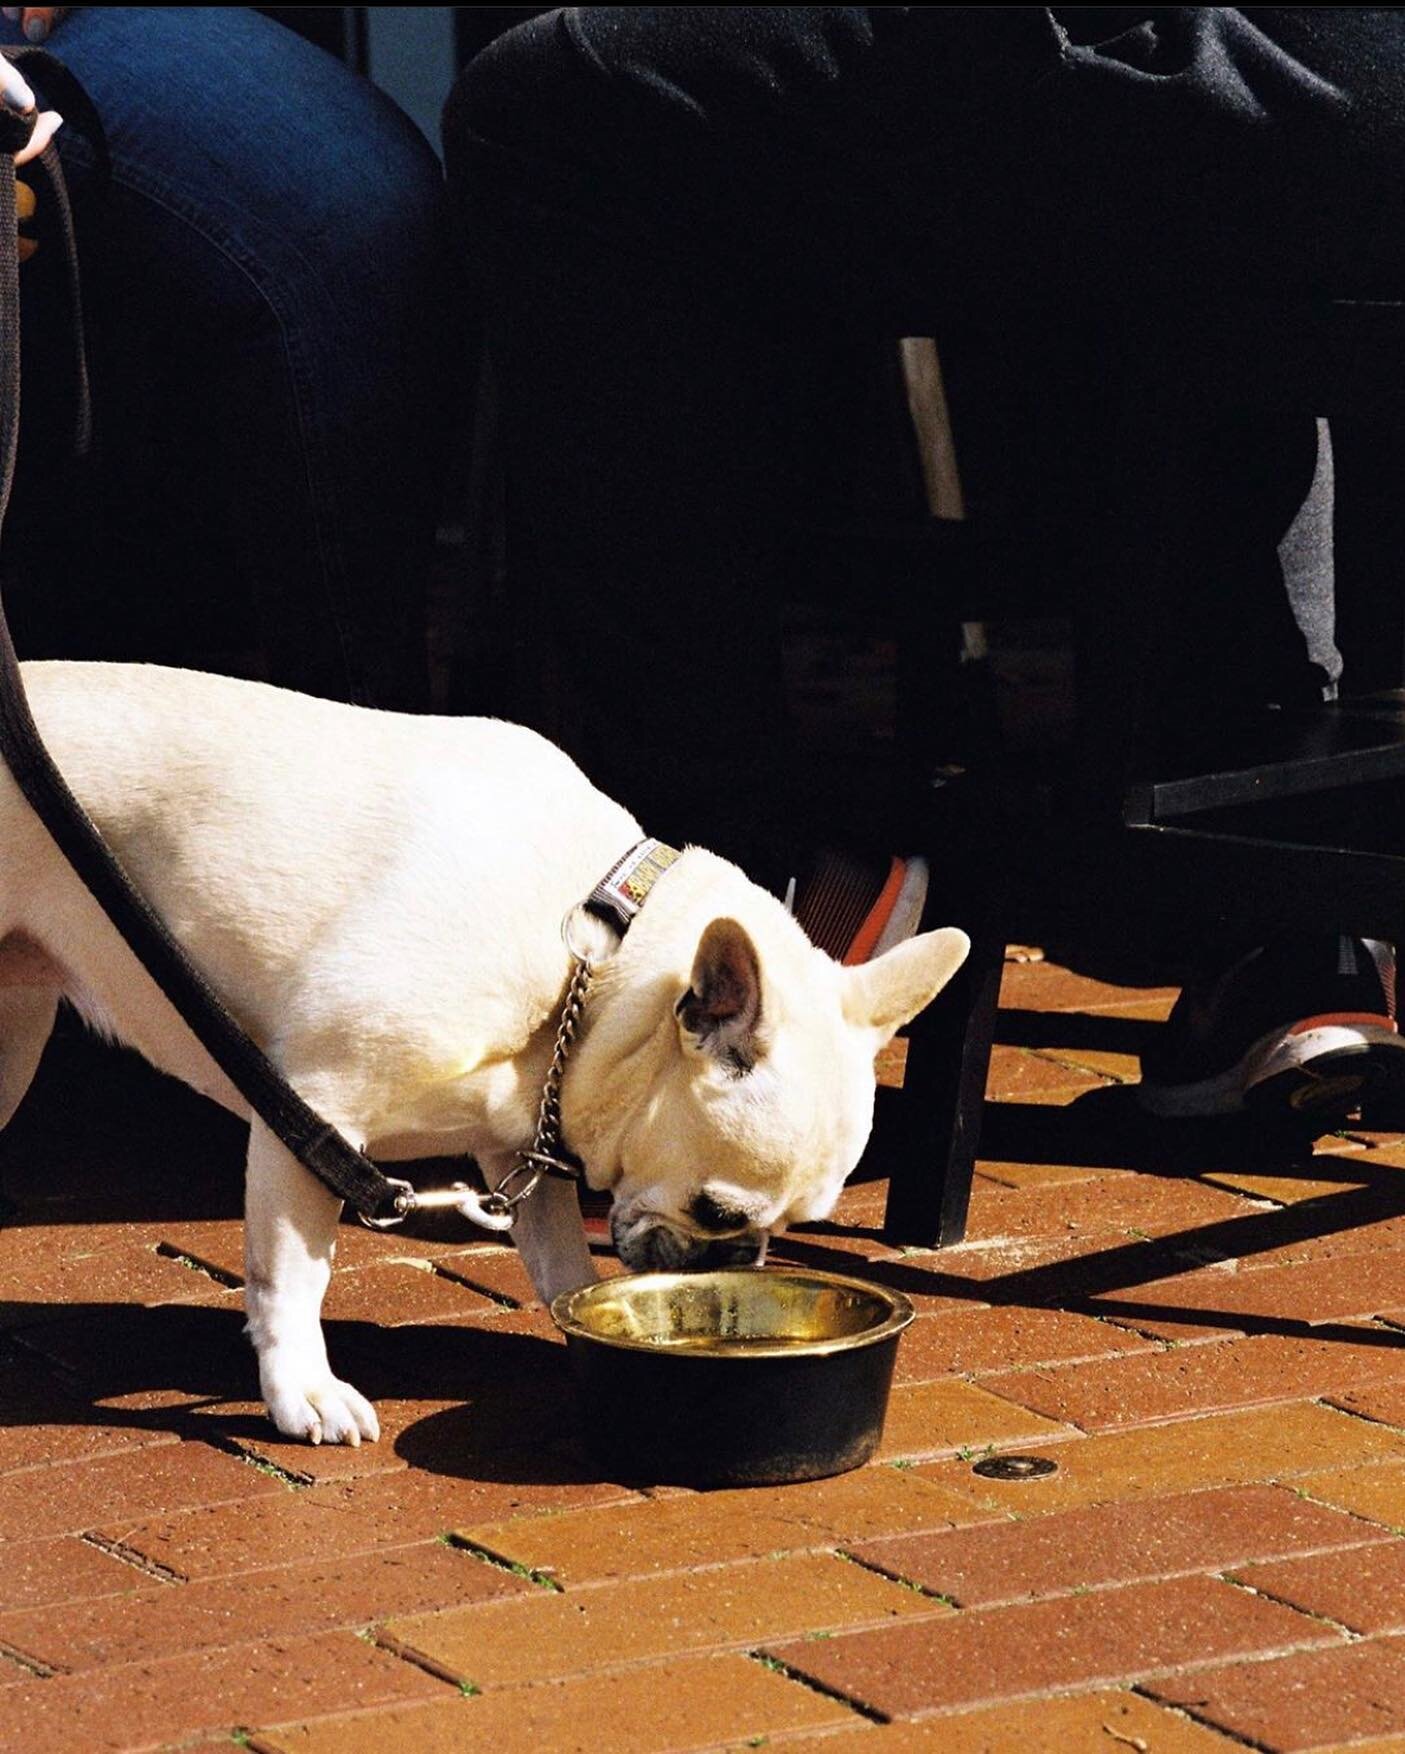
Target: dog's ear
pixel 722 1007
pixel 891 990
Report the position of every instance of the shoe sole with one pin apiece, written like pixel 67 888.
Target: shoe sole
pixel 1315 1074
pixel 905 919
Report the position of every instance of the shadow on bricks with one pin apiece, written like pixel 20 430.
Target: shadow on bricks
pixel 175 1367
pixel 1106 1129
pixel 1070 1030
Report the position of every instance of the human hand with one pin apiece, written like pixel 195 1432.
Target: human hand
pixel 15 92
pixel 37 22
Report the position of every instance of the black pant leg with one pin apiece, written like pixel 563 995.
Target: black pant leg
pixel 671 210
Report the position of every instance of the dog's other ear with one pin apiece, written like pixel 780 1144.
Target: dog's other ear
pixel 890 991
pixel 722 1006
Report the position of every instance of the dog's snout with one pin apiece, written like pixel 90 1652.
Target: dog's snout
pixel 659 1248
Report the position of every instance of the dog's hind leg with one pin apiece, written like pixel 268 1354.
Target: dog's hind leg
pixel 290 1232
pixel 26 1023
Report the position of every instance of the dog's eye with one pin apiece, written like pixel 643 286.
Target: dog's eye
pixel 710 1214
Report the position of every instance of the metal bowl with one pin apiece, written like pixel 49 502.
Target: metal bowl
pixel 745 1377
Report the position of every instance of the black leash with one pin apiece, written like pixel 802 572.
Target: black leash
pixel 317 1145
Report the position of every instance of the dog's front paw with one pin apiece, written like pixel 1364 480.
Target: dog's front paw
pixel 322 1411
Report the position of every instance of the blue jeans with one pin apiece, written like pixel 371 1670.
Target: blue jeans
pixel 267 287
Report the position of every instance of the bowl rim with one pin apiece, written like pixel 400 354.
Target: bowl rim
pixel 899 1313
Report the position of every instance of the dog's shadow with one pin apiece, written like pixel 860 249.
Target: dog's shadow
pixel 189 1371
pixel 142 1148
pixel 138 1146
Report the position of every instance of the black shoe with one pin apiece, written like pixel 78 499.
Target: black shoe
pixel 1306 1028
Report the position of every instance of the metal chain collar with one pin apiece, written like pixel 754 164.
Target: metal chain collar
pixel 498 1207
pixel 544 1157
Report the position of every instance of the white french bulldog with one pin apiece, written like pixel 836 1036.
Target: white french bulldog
pixel 378 899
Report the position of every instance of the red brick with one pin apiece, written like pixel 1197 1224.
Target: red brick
pixel 424 1239
pixel 1012 1174
pixel 1285 1442
pixel 61 1569
pixel 862 1205
pixel 1317 1291
pixel 1080 1723
pixel 1115 1064
pixel 1376 1493
pixel 1119 1543
pixel 219 1243
pixel 713 1528
pixel 826 1245
pixel 79 1495
pixel 285 1602
pixel 1303 1700
pixel 1377 1745
pixel 890 1063
pixel 935 1282
pixel 986 1655
pixel 48 1284
pixel 439 1436
pixel 983 1266
pixel 1181 1329
pixel 1363 1590
pixel 1333 1240
pixel 58 1430
pixel 534 1416
pixel 325 1523
pixel 1318 1176
pixel 1383 1402
pixel 937 1418
pixel 497 1273
pixel 977 1343
pixel 1203 1379
pixel 667 1708
pixel 1019 1076
pixel 1109 1206
pixel 1047 986
pixel 245 1427
pixel 397 1293
pixel 1390 1144
pixel 548 1633
pixel 140 1705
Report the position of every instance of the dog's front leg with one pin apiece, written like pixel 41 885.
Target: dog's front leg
pixel 290 1232
pixel 549 1234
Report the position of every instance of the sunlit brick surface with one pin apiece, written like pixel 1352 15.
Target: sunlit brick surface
pixel 1203 1328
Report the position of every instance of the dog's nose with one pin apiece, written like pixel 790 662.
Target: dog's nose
pixel 658 1248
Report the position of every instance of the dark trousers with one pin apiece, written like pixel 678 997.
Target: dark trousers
pixel 267 282
pixel 698 232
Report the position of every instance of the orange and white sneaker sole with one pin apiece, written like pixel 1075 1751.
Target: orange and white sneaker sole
pixel 896 915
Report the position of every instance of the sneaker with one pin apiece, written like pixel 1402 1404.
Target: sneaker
pixel 1306 1029
pixel 855 911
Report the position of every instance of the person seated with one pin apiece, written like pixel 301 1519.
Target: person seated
pixel 267 283
pixel 685 221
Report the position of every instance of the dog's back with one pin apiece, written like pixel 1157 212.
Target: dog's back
pixel 289 842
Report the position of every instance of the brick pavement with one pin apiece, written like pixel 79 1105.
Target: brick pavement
pixel 1204 1328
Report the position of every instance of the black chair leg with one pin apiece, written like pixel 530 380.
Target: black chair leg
pixel 931 1148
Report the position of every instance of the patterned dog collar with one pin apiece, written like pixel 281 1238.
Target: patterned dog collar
pixel 625 887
